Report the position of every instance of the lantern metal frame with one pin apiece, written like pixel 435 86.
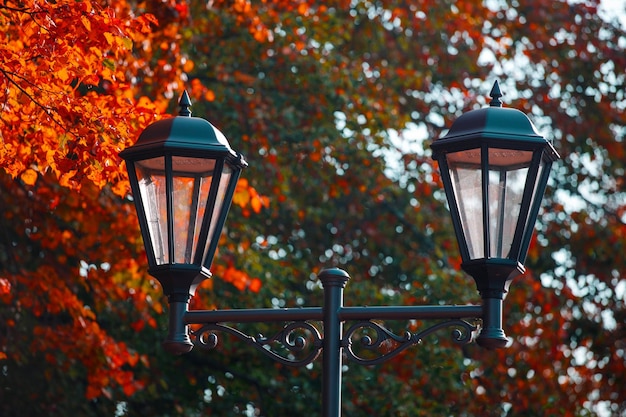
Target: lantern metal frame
pixel 173 150
pixel 506 135
pixel 308 332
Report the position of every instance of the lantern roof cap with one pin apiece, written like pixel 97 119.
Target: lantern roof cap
pixel 494 122
pixel 491 123
pixel 182 134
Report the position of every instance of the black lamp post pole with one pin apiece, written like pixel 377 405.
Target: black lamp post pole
pixel 333 281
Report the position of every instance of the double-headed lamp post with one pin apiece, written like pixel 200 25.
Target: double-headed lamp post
pixel 494 166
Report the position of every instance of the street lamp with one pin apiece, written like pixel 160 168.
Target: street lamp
pixel 494 166
pixel 183 174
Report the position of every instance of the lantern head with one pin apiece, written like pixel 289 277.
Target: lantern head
pixel 183 175
pixel 495 167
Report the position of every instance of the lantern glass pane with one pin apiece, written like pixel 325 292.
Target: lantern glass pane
pixel 191 184
pixel 151 178
pixel 466 177
pixel 508 170
pixel 219 204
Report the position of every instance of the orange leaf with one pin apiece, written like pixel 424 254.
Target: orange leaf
pixel 254 285
pixel 256 203
pixel 209 95
pixel 188 65
pixel 29 176
pixel 86 22
pixel 241 197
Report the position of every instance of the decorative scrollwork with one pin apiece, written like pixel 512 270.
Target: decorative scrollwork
pixel 382 344
pixel 301 342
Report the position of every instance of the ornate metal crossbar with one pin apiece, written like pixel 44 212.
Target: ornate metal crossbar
pixel 385 344
pixel 307 332
pixel 302 342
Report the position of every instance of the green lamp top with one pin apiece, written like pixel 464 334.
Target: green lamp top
pixel 493 122
pixel 182 134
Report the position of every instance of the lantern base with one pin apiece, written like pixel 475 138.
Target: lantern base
pixel 492 338
pixel 178 347
pixel 493 276
pixel 178 341
pixel 492 335
pixel 177 279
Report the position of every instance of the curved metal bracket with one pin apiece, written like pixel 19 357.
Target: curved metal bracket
pixel 384 344
pixel 302 341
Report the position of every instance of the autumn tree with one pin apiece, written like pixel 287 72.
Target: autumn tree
pixel 333 104
pixel 69 265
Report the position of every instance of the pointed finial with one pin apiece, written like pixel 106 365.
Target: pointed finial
pixel 495 95
pixel 184 103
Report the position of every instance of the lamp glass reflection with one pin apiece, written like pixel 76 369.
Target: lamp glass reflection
pixel 152 186
pixel 191 183
pixel 489 204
